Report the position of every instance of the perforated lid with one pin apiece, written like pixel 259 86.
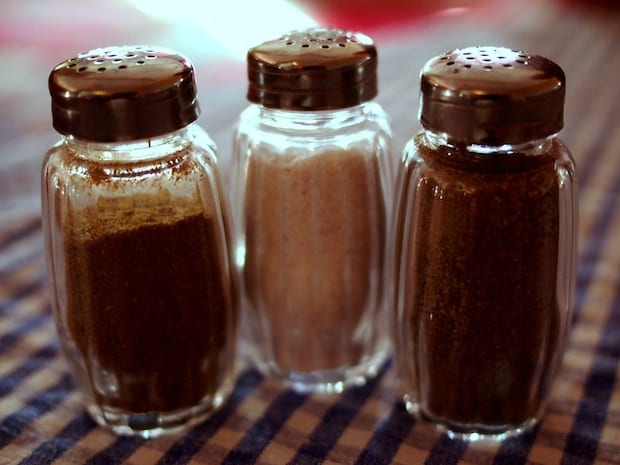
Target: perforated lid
pixel 314 69
pixel 123 93
pixel 492 95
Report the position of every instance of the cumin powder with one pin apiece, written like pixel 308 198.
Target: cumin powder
pixel 147 304
pixel 482 299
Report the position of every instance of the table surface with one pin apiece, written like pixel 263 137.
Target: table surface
pixel 41 417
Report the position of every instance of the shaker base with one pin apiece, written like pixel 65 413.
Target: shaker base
pixel 328 381
pixel 154 424
pixel 472 432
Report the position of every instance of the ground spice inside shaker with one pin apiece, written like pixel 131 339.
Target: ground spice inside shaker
pixel 315 284
pixel 146 301
pixel 487 264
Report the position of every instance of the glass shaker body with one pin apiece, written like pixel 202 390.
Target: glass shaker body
pixel 311 193
pixel 137 243
pixel 485 262
pixel 312 203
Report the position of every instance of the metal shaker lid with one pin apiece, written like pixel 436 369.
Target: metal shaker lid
pixel 123 93
pixel 314 69
pixel 492 96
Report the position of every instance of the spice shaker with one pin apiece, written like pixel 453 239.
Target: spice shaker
pixel 485 243
pixel 137 241
pixel 312 184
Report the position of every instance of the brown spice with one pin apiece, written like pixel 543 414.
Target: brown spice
pixel 315 228
pixel 148 304
pixel 483 313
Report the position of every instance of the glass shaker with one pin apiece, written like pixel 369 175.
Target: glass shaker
pixel 311 189
pixel 136 233
pixel 485 243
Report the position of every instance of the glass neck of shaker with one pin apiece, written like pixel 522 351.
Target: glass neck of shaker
pixel 133 150
pixel 436 140
pixel 311 119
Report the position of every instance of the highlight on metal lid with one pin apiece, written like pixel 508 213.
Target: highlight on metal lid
pixel 492 95
pixel 313 69
pixel 123 93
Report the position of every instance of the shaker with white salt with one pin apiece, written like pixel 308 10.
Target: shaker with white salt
pixel 311 190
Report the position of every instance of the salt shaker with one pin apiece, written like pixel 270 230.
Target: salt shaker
pixel 485 243
pixel 311 190
pixel 136 233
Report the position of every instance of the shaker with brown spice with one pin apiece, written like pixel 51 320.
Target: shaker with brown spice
pixel 485 242
pixel 312 186
pixel 136 231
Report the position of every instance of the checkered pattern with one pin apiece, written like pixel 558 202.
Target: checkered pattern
pixel 42 420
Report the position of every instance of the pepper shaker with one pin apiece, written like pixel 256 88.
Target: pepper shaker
pixel 485 243
pixel 137 241
pixel 312 188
